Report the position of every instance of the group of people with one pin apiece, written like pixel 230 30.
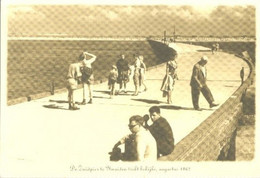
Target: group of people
pixel 121 72
pixel 82 72
pixel 150 142
pixel 146 142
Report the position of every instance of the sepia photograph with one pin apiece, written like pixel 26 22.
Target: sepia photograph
pixel 110 89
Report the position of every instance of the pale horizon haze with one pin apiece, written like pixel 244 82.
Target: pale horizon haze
pixel 130 20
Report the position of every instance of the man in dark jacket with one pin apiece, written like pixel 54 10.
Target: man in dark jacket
pixel 198 84
pixel 123 72
pixel 161 131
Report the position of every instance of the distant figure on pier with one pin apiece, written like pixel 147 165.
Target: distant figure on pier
pixel 170 77
pixel 213 48
pixel 112 78
pixel 139 74
pixel 87 75
pixel 242 74
pixel 140 145
pixel 73 77
pixel 123 73
pixel 161 131
pixel 198 84
pixel 217 47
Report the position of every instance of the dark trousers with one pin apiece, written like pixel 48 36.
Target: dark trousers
pixel 195 93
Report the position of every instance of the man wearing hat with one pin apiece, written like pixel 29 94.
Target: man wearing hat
pixel 198 84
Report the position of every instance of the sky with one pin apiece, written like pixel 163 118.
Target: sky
pixel 130 20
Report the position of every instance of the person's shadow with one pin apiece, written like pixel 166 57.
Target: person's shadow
pixel 53 106
pixel 204 50
pixel 102 91
pixel 107 92
pixel 58 101
pixel 173 107
pixel 148 101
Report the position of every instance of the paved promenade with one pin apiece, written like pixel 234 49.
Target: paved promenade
pixel 44 135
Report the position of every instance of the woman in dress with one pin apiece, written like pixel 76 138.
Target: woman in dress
pixel 169 79
pixel 142 72
pixel 137 75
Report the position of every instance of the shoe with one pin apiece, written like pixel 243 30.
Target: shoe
pixel 213 105
pixel 90 101
pixel 169 102
pixel 135 94
pixel 198 109
pixel 83 102
pixel 145 89
pixel 73 108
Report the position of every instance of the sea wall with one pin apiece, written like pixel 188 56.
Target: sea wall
pixel 214 139
pixel 43 65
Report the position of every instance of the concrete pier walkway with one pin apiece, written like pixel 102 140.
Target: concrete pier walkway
pixel 43 135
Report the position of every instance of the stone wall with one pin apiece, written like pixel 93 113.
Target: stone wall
pixel 214 139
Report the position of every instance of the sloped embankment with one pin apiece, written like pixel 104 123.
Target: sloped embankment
pixel 34 65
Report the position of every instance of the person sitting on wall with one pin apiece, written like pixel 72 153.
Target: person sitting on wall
pixel 139 146
pixel 161 131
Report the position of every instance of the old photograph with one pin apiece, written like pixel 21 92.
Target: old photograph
pixel 104 90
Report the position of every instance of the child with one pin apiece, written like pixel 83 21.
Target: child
pixel 112 78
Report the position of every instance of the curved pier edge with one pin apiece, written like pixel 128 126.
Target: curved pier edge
pixel 214 139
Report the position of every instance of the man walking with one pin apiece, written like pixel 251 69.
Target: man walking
pixel 198 84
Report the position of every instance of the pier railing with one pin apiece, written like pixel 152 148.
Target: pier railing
pixel 214 139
